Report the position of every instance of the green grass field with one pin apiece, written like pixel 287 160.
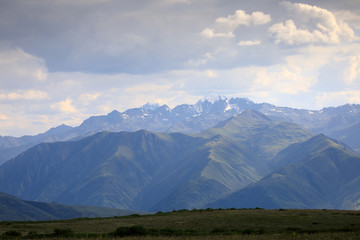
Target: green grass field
pixel 198 224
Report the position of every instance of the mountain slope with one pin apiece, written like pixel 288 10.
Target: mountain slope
pixel 15 209
pixel 228 163
pixel 194 118
pixel 151 171
pixel 107 169
pixel 318 173
pixel 349 134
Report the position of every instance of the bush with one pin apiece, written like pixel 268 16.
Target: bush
pixel 218 231
pixel 32 234
pixel 63 233
pixel 130 231
pixel 11 234
pixel 248 231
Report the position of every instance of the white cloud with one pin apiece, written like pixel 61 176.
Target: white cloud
pixel 174 57
pixel 338 98
pixel 211 73
pixel 240 17
pixel 21 70
pixel 24 95
pixel 353 71
pixel 225 26
pixel 249 43
pixel 314 25
pixel 209 33
pixel 88 97
pixel 64 106
pixel 351 18
pixel 283 79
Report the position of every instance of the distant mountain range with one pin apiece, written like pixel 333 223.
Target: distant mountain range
pixel 342 123
pixel 152 171
pixel 15 209
pixel 246 161
pixel 219 153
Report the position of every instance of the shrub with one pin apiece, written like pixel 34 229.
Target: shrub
pixel 134 215
pixel 11 234
pixel 32 234
pixel 130 231
pixel 218 231
pixel 63 232
pixel 248 231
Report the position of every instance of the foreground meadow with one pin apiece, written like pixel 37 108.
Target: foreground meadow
pixel 198 224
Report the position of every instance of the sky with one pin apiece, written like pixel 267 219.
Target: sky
pixel 62 61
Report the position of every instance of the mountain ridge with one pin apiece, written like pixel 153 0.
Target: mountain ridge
pixel 337 122
pixel 316 173
pixel 15 209
pixel 150 171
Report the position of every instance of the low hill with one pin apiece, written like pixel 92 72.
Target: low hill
pixel 15 209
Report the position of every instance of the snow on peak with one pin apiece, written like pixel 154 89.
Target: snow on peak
pixel 228 106
pixel 212 99
pixel 150 106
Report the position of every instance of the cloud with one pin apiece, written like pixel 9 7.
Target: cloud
pixel 349 17
pixel 209 33
pixel 225 26
pixel 24 95
pixel 64 106
pixel 338 98
pixel 78 59
pixel 249 43
pixel 211 73
pixel 104 36
pixel 240 17
pixel 316 25
pixel 88 97
pixel 353 71
pixel 283 79
pixel 336 66
pixel 21 70
pixel 176 1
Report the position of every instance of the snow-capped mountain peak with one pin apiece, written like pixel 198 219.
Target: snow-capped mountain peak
pixel 212 99
pixel 150 106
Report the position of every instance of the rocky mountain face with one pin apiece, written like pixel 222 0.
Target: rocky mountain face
pixel 152 171
pixel 341 122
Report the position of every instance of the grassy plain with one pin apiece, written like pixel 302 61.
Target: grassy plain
pixel 198 224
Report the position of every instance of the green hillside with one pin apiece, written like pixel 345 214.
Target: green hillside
pixel 318 173
pixel 151 171
pixel 15 209
pixel 349 134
